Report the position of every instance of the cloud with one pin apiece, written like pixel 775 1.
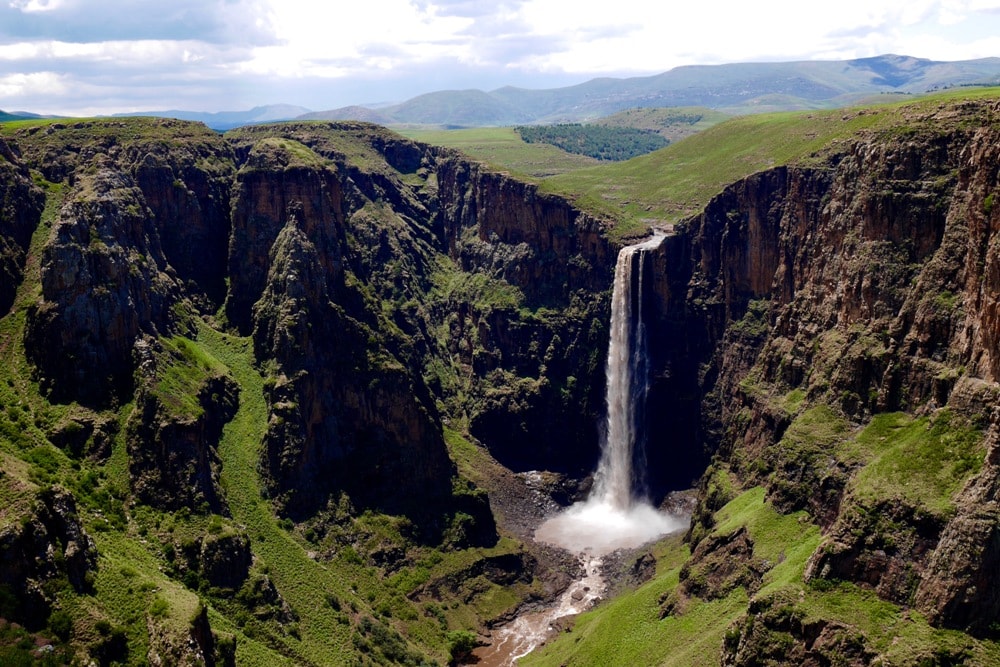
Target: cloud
pixel 474 9
pixel 211 21
pixel 216 54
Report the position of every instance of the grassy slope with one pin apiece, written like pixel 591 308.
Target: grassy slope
pixel 502 148
pixel 297 577
pixel 924 460
pixel 679 180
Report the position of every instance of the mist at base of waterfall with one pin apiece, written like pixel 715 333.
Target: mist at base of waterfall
pixel 597 527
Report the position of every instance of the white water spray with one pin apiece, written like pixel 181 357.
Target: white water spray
pixel 616 515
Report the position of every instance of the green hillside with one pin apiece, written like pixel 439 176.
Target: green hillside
pixel 664 187
pixel 502 148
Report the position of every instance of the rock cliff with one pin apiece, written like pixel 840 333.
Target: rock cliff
pixel 816 300
pixel 22 210
pixel 264 350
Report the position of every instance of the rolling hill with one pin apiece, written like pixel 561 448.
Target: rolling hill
pixel 734 88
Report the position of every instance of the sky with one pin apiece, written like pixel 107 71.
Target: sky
pixel 88 57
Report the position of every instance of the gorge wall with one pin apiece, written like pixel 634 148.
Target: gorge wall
pixel 393 294
pixel 862 283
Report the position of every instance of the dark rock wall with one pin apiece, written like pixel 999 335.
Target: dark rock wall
pixel 28 556
pixel 538 387
pixel 864 282
pixel 21 205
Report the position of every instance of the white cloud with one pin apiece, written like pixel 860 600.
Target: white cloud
pixel 333 40
pixel 23 85
pixel 30 6
pixel 225 52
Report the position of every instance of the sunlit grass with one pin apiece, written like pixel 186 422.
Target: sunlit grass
pixel 502 148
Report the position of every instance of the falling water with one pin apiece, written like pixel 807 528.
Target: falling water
pixel 627 382
pixel 616 514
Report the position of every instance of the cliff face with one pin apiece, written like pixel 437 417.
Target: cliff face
pixel 26 552
pixel 537 358
pixel 827 331
pixel 22 209
pixel 117 259
pixel 817 300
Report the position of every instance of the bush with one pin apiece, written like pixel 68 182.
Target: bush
pixel 159 608
pixel 461 644
pixel 61 624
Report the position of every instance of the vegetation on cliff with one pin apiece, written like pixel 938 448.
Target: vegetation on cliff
pixel 258 391
pixel 235 353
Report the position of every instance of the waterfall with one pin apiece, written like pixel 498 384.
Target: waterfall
pixel 617 479
pixel 616 515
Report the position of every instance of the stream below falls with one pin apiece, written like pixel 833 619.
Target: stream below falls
pixel 531 629
pixel 590 530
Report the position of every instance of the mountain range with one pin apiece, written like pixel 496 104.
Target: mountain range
pixel 737 88
pixel 734 88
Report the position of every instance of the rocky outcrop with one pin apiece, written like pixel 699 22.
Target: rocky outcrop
pixel 956 588
pixel 722 563
pixel 48 544
pixel 340 420
pixel 21 204
pixel 774 632
pixel 104 283
pixel 200 646
pixel 271 186
pixel 885 547
pixel 221 558
pixel 173 433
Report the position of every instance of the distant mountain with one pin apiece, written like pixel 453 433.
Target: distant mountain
pixel 349 113
pixel 227 120
pixel 17 115
pixel 735 88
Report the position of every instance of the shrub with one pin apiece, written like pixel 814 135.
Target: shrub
pixel 61 624
pixel 461 644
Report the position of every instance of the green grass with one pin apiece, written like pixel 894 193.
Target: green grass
pixel 923 461
pixel 299 579
pixel 452 285
pixel 503 149
pixel 296 153
pixel 678 181
pixel 348 141
pixel 674 123
pixel 183 368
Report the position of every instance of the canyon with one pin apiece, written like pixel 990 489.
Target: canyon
pixel 300 394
